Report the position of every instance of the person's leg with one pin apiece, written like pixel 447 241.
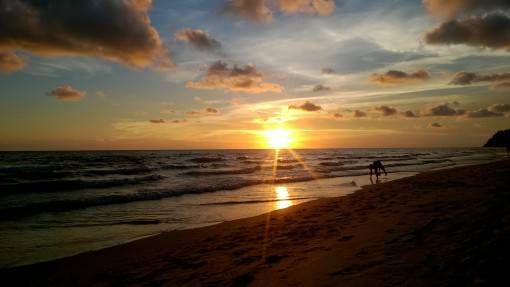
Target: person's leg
pixel 384 170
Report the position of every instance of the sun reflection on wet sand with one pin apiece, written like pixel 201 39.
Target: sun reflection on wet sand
pixel 282 196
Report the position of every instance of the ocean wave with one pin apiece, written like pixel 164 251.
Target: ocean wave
pixel 206 159
pixel 120 171
pixel 72 184
pixel 222 172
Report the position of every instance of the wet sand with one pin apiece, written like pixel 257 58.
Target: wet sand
pixel 442 228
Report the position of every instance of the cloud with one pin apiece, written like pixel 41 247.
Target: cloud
pixel 483 113
pixel 386 110
pixel 355 55
pixel 321 88
pixel 118 31
pixel 198 39
pixel 452 8
pixel 318 7
pixel 338 115
pixel 236 79
pixel 253 10
pixel 444 110
pixel 179 121
pixel 359 114
pixel 10 62
pixel 491 31
pixel 328 71
pixel 306 106
pixel 158 121
pixel 203 112
pixel 465 78
pixel 396 77
pixel 259 11
pixel 503 86
pixel 409 114
pixel 500 108
pixel 436 125
pixel 67 94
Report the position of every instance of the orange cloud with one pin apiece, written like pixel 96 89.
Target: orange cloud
pixel 10 62
pixel 254 10
pixel 259 11
pixel 236 79
pixel 320 7
pixel 118 31
pixel 67 94
pixel 198 38
pixel 398 77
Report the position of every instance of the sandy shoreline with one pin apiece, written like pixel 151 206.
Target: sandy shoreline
pixel 447 227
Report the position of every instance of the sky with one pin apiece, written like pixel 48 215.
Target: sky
pixel 207 74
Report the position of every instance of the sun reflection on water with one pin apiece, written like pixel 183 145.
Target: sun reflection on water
pixel 282 197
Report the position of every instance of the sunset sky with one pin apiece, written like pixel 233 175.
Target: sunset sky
pixel 141 74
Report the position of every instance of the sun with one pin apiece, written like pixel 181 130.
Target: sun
pixel 278 139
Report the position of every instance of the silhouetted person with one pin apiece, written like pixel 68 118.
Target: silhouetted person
pixel 375 167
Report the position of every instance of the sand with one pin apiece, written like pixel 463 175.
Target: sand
pixel 441 228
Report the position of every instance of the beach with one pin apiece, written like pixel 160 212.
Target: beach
pixel 447 227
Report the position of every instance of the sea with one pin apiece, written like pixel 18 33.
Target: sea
pixel 57 204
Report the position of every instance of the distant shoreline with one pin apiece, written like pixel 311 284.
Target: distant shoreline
pixel 243 149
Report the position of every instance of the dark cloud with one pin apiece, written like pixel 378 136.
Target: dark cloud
pixel 386 110
pixel 409 114
pixel 236 79
pixel 328 71
pixel 444 110
pixel 67 94
pixel 10 62
pixel 503 86
pixel 396 77
pixel 359 114
pixel 198 38
pixel 203 112
pixel 260 11
pixel 500 108
pixel 454 8
pixel 492 31
pixel 179 121
pixel 483 113
pixel 119 31
pixel 435 125
pixel 158 121
pixel 465 78
pixel 321 88
pixel 306 106
pixel 338 115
